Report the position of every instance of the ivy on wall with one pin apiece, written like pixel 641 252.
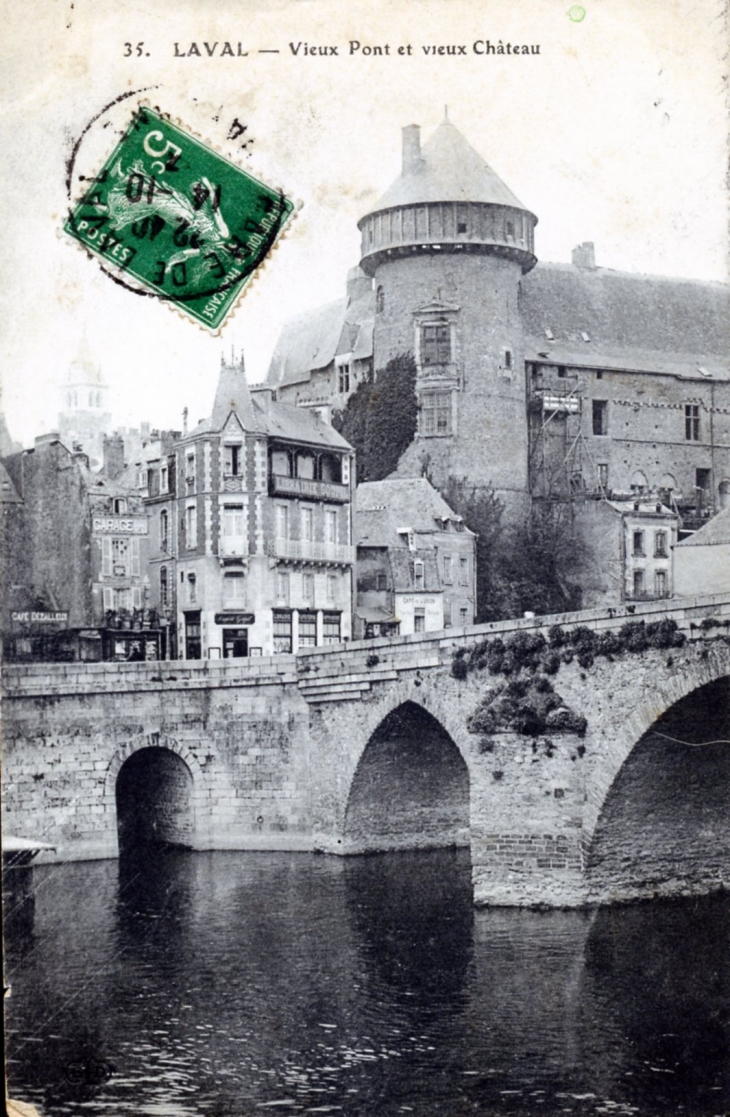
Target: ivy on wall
pixel 380 418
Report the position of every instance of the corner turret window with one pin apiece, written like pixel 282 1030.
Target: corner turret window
pixel 232 460
pixel 435 345
pixel 510 230
pixel 380 300
pixel 508 360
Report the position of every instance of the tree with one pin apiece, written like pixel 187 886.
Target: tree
pixel 380 418
pixel 521 567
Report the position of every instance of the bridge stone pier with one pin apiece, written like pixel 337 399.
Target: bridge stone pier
pixel 616 788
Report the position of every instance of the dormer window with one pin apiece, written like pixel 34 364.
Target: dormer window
pixel 418 575
pixel 380 300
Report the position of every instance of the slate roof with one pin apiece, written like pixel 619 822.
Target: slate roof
pixel 258 413
pixel 313 339
pixel 633 321
pixel 385 506
pixel 450 171
pixel 296 424
pixel 714 533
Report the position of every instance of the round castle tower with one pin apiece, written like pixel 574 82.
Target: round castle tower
pixel 446 246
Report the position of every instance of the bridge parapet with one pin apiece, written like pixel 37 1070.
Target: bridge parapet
pixel 339 671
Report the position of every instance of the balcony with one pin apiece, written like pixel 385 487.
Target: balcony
pixel 232 483
pixel 303 550
pixel 332 491
pixel 232 546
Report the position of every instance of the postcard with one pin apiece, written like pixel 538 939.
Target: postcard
pixel 365 608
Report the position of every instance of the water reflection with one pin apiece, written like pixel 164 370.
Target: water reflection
pixel 228 983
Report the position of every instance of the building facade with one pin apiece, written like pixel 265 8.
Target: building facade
pixel 538 381
pixel 250 528
pixel 416 561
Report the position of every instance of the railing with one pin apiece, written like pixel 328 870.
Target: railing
pixel 232 483
pixel 303 550
pixel 232 546
pixel 310 489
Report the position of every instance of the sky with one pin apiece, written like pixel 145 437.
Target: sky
pixel 616 132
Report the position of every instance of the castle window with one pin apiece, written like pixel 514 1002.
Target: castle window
pixel 435 345
pixel 343 378
pixel 436 413
pixel 380 300
pixel 508 358
pixel 600 416
pixel 232 460
pixel 461 227
pixel 510 230
pixel 692 422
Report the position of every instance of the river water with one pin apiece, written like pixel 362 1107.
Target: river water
pixel 226 984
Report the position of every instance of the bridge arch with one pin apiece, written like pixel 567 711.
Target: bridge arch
pixel 663 819
pixel 153 789
pixel 410 786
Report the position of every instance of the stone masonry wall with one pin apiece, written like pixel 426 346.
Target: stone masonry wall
pixel 279 751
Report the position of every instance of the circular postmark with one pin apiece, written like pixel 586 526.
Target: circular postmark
pixel 169 217
pixel 576 13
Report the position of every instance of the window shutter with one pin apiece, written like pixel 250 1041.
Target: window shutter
pixel 108 597
pixel 106 556
pixel 135 556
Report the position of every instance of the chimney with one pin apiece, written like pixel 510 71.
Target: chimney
pixel 113 455
pixel 584 255
pixel 412 161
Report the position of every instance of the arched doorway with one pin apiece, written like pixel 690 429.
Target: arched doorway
pixel 410 789
pixel 154 801
pixel 665 823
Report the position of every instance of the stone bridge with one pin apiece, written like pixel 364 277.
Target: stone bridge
pixel 581 760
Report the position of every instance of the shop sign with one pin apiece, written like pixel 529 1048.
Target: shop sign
pixel 235 618
pixel 39 617
pixel 119 525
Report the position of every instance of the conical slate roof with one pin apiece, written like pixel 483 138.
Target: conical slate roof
pixel 232 394
pixel 450 170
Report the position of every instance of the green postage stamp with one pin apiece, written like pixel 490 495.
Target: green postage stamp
pixel 171 218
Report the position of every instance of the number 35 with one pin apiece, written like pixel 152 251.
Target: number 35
pixel 129 51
